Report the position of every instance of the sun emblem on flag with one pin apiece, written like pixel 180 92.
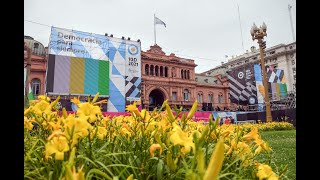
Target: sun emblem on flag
pixel 133 49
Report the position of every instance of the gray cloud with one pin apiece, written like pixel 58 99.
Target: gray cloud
pixel 203 30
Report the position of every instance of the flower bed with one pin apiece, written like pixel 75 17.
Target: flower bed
pixel 145 145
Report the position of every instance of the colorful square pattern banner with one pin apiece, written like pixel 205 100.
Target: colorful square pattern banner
pixel 84 63
pixel 277 87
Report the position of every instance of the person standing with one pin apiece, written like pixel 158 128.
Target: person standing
pixel 227 121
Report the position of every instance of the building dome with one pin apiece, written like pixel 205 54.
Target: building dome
pixel 37 47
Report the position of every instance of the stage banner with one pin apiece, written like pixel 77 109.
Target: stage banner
pixel 82 63
pixel 242 85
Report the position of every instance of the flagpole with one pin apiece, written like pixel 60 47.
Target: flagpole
pixel 240 27
pixel 154 27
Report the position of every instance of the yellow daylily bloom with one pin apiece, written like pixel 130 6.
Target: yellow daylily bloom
pixel 179 137
pixel 45 98
pixel 87 110
pixel 28 123
pixel 102 133
pixel 164 124
pixel 252 135
pixel 57 146
pixel 145 115
pixel 56 133
pixel 76 100
pixel 227 131
pixel 42 107
pixel 74 175
pixel 133 109
pixel 26 111
pixel 104 101
pixel 265 172
pixel 193 109
pixel 55 126
pixel 80 125
pixel 130 177
pixel 81 128
pixel 262 146
pixel 216 161
pixel 155 147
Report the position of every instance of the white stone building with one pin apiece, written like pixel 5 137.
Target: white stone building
pixel 282 56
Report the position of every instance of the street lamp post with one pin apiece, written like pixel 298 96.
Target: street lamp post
pixel 258 34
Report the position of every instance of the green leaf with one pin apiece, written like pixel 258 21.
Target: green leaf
pixel 160 169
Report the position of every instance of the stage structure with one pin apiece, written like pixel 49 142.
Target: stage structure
pixel 82 64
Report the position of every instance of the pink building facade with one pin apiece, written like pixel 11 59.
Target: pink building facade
pixel 174 78
pixel 38 65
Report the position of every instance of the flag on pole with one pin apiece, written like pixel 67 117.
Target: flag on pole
pixel 159 21
pixel 30 94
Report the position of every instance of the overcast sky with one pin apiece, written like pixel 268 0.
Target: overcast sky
pixel 203 30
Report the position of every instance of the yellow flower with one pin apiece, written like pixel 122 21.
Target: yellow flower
pixel 216 161
pixel 102 133
pixel 56 133
pixel 45 98
pixel 130 177
pixel 57 146
pixel 262 146
pixel 169 112
pixel 227 131
pixel 26 111
pixel 55 126
pixel 155 147
pixel 104 121
pixel 133 109
pixel 81 128
pixel 28 123
pixel 124 131
pixel 243 149
pixel 164 124
pixel 265 172
pixel 252 135
pixel 87 110
pixel 104 101
pixel 74 175
pixel 193 110
pixel 76 100
pixel 145 115
pixel 42 107
pixel 179 137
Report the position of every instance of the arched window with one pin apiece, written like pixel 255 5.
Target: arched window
pixel 185 74
pixel 156 71
pixel 188 74
pixel 146 69
pixel 166 71
pixel 151 70
pixel 35 86
pixel 186 95
pixel 161 71
pixel 210 98
pixel 220 98
pixel 181 73
pixel 200 97
pixel 173 72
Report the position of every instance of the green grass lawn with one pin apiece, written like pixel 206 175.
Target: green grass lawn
pixel 283 144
